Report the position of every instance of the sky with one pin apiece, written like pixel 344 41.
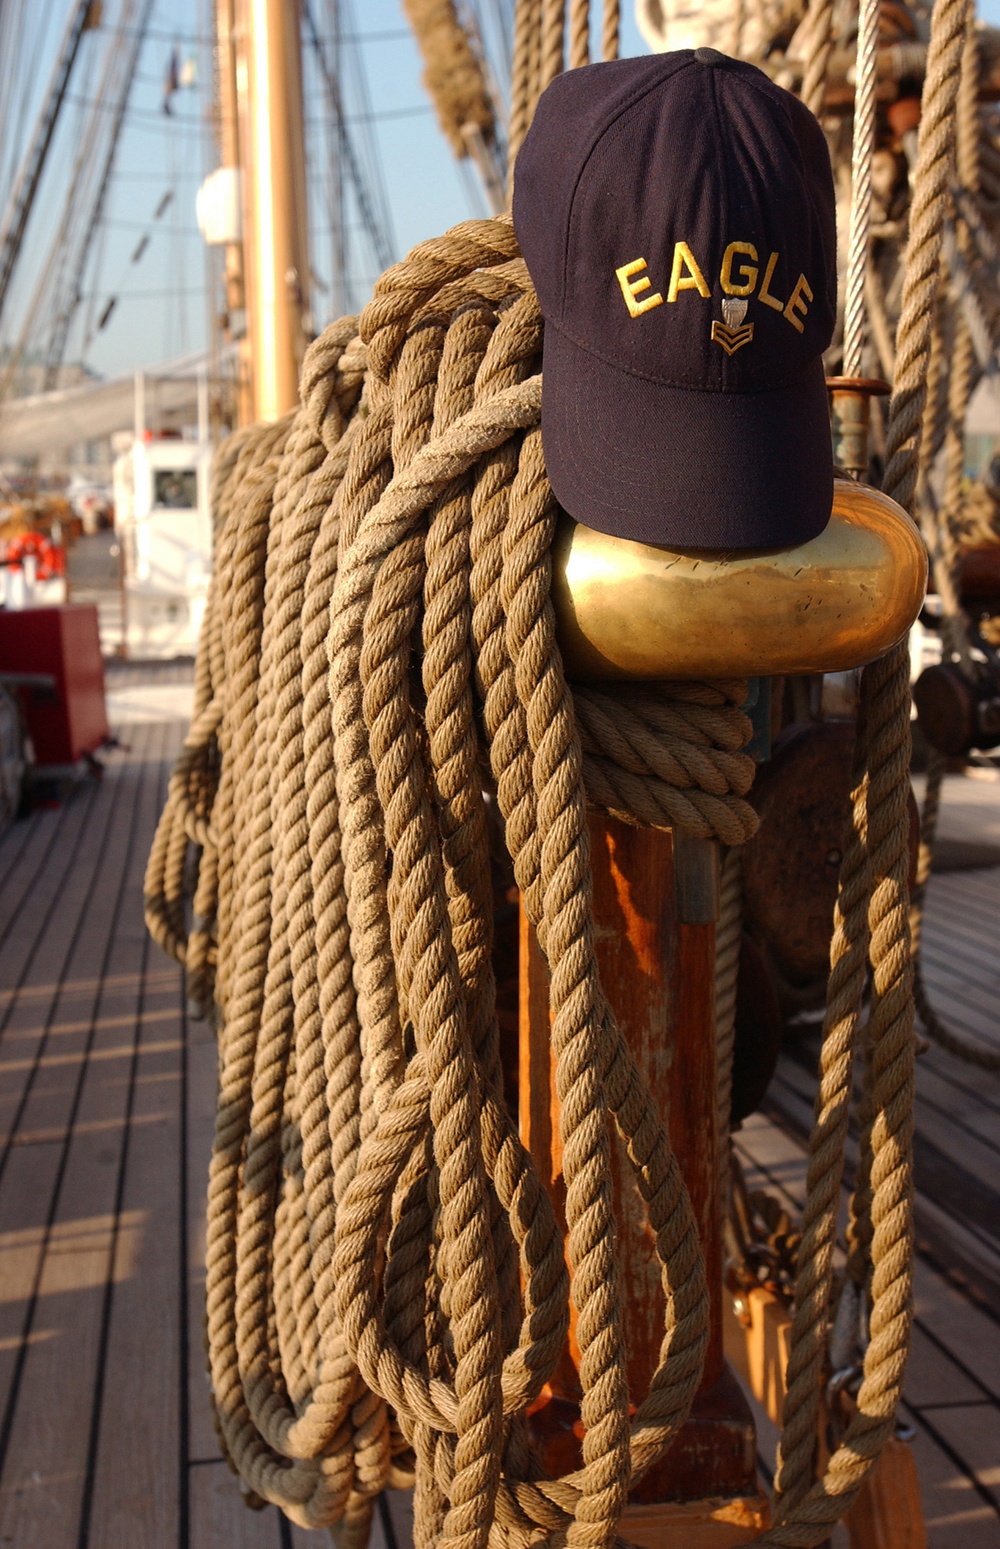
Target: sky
pixel 163 300
pixel 163 306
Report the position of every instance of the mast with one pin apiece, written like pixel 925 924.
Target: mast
pixel 228 139
pixel 275 232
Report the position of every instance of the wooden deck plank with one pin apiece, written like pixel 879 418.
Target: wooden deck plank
pixel 938 1087
pixel 126 1160
pixel 18 849
pixel 219 1520
pixel 24 874
pixel 955 1515
pixel 91 1240
pixel 959 927
pixel 956 1327
pixel 50 1160
pixel 24 913
pixel 67 932
pixel 940 1080
pixel 202 1071
pixel 934 1377
pixel 966 1333
pixel 954 1171
pixel 31 1177
pixel 972 1434
pixel 952 987
pixel 139 1481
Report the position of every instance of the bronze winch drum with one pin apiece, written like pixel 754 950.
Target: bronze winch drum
pixel 632 610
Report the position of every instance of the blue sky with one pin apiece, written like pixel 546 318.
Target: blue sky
pixel 163 307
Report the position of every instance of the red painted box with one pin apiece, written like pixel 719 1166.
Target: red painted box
pixel 64 643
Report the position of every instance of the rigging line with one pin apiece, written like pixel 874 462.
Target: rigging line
pixel 146 226
pixel 60 331
pixel 205 40
pixel 151 177
pixel 16 220
pixel 158 295
pixel 333 189
pixel 469 20
pixel 193 122
pixel 358 91
pixel 495 21
pixel 54 265
pixel 26 71
pixel 77 132
pixel 382 115
pixel 378 234
pixel 152 115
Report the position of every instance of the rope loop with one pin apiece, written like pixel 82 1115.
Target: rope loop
pixel 379 684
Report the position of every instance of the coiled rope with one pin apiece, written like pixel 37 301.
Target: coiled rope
pixel 386 1284
pixel 387 1288
pixel 957 86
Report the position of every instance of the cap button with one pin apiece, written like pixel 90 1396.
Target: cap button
pixel 710 56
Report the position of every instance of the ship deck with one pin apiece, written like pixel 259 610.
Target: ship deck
pixel 106 1090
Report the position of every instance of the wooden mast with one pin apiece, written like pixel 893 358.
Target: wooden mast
pixel 275 233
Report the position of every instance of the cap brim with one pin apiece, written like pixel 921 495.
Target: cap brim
pixel 683 467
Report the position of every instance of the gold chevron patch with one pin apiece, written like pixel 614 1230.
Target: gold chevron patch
pixel 731 339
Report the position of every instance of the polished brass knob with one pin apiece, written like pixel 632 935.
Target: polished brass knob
pixel 635 610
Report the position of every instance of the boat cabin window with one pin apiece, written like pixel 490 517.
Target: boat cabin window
pixel 176 488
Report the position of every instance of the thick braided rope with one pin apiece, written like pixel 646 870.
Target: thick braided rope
pixel 363 1149
pixel 935 162
pixel 579 33
pixel 553 41
pixel 943 545
pixel 872 912
pixel 969 119
pixel 943 540
pixel 875 866
pixel 728 935
pixel 610 29
pixel 819 47
pixel 403 503
pixel 527 18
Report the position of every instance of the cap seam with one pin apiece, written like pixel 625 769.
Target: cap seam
pixel 598 137
pixel 724 223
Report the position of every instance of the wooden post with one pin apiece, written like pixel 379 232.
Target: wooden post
pixel 888 1512
pixel 654 912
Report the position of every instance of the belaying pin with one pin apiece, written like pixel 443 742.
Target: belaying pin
pixel 850 416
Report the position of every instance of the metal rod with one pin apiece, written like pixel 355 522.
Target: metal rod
pixel 275 243
pixel 861 185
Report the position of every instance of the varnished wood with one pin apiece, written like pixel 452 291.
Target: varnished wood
pixel 659 976
pixel 708 1524
pixel 889 1513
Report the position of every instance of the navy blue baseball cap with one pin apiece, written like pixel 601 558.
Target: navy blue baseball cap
pixel 677 216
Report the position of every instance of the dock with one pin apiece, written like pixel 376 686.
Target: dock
pixel 106 1106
